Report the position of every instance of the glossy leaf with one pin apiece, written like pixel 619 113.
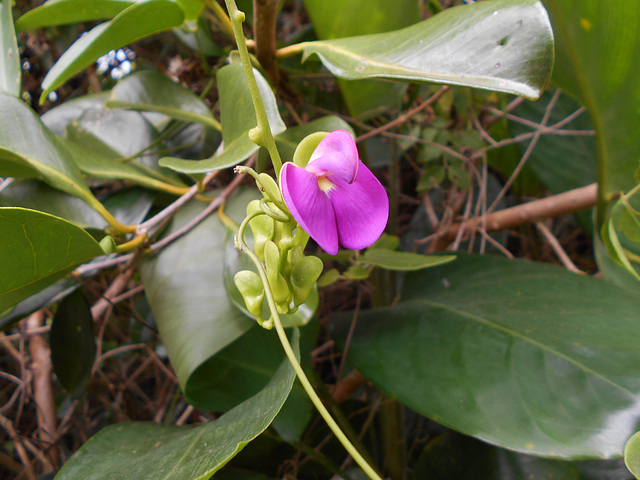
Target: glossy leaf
pixel 133 23
pixel 185 288
pixel 150 451
pixel 597 49
pixel 72 342
pixel 522 355
pixel 103 139
pixel 244 367
pixel 502 45
pixel 153 92
pixel 129 206
pixel 10 74
pixel 28 148
pixel 237 116
pixel 64 12
pixel 36 249
pixel 452 455
pixel 402 261
pixel 364 97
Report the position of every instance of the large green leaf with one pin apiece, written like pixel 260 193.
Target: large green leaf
pixel 153 92
pixel 365 96
pixel 28 148
pixel 184 284
pixel 37 249
pixel 153 451
pixel 10 74
pixel 128 207
pixel 519 354
pixel 237 116
pixel 244 368
pixel 501 45
pixel 133 23
pixel 63 12
pixel 597 48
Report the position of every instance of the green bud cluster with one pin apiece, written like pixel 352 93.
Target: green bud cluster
pixel 279 245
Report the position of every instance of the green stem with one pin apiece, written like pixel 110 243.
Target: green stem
pixel 313 396
pixel 261 135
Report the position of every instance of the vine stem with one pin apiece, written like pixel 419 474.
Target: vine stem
pixel 306 384
pixel 261 135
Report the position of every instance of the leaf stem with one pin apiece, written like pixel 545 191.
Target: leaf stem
pixel 306 384
pixel 261 135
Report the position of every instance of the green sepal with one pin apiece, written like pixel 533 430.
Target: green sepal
pixel 306 148
pixel 304 275
pixel 278 284
pixel 252 290
pixel 262 226
pixel 270 189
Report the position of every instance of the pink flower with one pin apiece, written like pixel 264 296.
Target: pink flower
pixel 335 198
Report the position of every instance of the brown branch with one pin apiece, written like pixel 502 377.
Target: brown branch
pixel 553 206
pixel 43 388
pixel 265 15
pixel 6 424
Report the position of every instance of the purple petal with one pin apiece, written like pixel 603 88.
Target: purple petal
pixel 361 209
pixel 336 155
pixel 310 206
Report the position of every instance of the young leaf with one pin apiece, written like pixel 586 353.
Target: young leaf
pixel 73 347
pixel 519 354
pixel 151 91
pixel 502 45
pixel 402 261
pixel 146 451
pixel 237 116
pixel 36 249
pixel 632 455
pixel 133 23
pixel 10 74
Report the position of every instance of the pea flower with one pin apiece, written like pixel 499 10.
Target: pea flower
pixel 335 198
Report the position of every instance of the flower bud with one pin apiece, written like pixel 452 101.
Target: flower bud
pixel 304 275
pixel 250 287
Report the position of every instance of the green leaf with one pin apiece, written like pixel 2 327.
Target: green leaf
pixel 151 451
pixel 237 116
pixel 597 51
pixel 502 45
pixel 36 249
pixel 452 455
pixel 632 455
pixel 244 367
pixel 364 98
pixel 133 23
pixel 152 91
pixel 10 74
pixel 402 261
pixel 29 148
pixel 185 287
pixel 73 347
pixel 64 12
pixel 129 206
pixel 519 354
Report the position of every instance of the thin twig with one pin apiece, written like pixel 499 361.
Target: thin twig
pixel 557 249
